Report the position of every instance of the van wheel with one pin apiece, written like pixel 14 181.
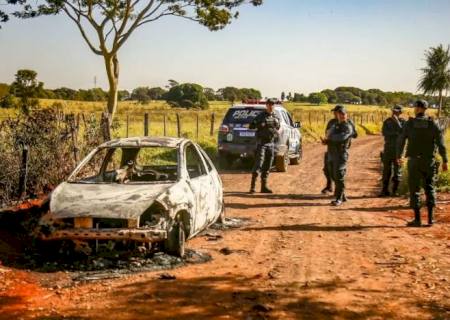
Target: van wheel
pixel 175 243
pixel 281 163
pixel 295 160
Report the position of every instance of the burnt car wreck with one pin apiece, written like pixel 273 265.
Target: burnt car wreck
pixel 154 192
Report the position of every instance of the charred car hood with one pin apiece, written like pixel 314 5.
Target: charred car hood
pixel 125 201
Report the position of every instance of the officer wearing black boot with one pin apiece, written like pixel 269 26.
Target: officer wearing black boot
pixel 392 128
pixel 327 170
pixel 267 125
pixel 338 140
pixel 424 137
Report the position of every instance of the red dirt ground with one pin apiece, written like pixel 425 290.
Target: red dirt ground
pixel 298 258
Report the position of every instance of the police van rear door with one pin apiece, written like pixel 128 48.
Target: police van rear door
pixel 238 121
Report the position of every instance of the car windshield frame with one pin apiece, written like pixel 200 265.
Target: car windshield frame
pixel 102 167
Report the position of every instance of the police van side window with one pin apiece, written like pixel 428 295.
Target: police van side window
pixel 291 122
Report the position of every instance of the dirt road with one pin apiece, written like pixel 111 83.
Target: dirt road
pixel 297 258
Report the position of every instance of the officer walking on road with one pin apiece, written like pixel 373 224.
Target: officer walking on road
pixel 424 137
pixel 327 165
pixel 392 128
pixel 338 140
pixel 267 125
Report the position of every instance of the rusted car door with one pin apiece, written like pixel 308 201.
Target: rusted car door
pixel 199 182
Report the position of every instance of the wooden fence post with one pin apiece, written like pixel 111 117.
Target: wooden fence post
pixel 74 134
pixel 213 119
pixel 165 125
pixel 128 125
pixel 146 124
pixel 197 128
pixel 309 118
pixel 23 176
pixel 178 125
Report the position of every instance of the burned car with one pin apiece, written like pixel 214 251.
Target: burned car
pixel 144 190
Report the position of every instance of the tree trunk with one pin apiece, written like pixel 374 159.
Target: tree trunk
pixel 440 103
pixel 112 71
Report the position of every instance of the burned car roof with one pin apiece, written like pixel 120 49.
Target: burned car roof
pixel 169 142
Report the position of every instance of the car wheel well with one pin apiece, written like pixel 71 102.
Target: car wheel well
pixel 185 217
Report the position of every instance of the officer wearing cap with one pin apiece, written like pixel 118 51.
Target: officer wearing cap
pixel 424 137
pixel 327 165
pixel 392 128
pixel 267 125
pixel 338 140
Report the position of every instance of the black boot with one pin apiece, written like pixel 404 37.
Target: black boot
pixel 253 183
pixel 327 189
pixel 430 215
pixel 385 192
pixel 416 222
pixel 264 188
pixel 395 189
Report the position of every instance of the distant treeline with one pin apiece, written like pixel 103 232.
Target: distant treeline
pixel 352 95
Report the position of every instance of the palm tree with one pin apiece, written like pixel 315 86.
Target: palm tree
pixel 436 75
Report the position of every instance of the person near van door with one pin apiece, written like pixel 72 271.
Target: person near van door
pixel 267 125
pixel 327 165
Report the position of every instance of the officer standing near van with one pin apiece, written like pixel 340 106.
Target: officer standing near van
pixel 424 137
pixel 267 125
pixel 392 128
pixel 327 165
pixel 338 140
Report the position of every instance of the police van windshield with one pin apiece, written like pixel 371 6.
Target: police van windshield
pixel 241 115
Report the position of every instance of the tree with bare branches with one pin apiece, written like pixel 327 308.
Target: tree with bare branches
pixel 106 25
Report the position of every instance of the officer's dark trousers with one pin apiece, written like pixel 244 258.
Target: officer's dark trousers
pixel 390 169
pixel 421 173
pixel 338 165
pixel 327 170
pixel 263 160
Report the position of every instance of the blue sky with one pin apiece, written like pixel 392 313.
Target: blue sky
pixel 290 45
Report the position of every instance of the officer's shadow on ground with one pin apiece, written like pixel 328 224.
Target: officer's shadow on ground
pixel 314 227
pixel 291 196
pixel 374 209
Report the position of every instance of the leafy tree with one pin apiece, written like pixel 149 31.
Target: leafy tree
pixel 331 95
pixel 106 25
pixel 436 75
pixel 289 96
pixel 231 94
pixel 141 94
pixel 156 93
pixel 250 93
pixel 7 101
pixel 65 93
pixel 317 98
pixel 123 95
pixel 299 97
pixel 283 96
pixel 26 87
pixel 210 94
pixel 172 83
pixel 4 90
pixel 187 95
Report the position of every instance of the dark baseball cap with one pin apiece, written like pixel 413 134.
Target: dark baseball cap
pixel 397 108
pixel 339 108
pixel 421 104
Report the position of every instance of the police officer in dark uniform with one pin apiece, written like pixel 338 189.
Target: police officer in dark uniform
pixel 424 137
pixel 338 140
pixel 267 125
pixel 327 165
pixel 392 128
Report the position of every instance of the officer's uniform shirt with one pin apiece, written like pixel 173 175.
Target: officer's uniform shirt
pixel 391 131
pixel 266 125
pixel 339 137
pixel 424 136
